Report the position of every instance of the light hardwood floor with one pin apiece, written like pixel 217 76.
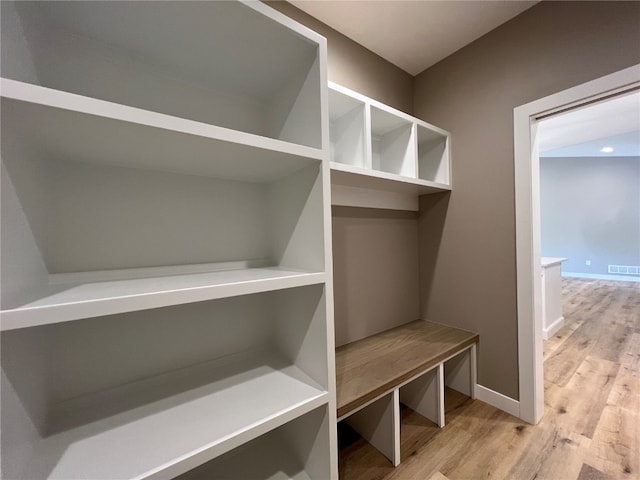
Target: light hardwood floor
pixel 591 426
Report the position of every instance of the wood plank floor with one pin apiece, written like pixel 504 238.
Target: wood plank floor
pixel 591 426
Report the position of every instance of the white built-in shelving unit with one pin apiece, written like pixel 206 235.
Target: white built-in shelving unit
pixel 381 157
pixel 166 266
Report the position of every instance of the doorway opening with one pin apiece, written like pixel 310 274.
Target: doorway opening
pixel 528 225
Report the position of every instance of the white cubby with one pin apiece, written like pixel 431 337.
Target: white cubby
pixel 433 155
pixel 136 199
pixel 460 372
pixel 215 62
pixel 393 144
pixel 347 133
pixel 400 158
pixel 165 280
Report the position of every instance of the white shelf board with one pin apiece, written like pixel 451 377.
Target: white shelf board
pixel 80 128
pixel 351 176
pixel 94 299
pixel 240 400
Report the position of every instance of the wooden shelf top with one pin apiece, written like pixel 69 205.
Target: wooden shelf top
pixel 370 367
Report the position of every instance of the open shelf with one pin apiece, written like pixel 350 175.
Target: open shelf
pixel 99 132
pixel 347 130
pixel 393 144
pixel 184 384
pixel 433 155
pixel 84 192
pixel 189 60
pixel 109 297
pixel 283 454
pixel 234 403
pixel 381 157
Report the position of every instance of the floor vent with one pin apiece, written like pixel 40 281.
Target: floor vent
pixel 625 269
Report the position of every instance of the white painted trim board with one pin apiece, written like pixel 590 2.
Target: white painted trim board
pixel 551 330
pixel 498 400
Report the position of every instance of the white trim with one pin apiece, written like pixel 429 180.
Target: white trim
pixel 551 330
pixel 498 400
pixel 474 371
pixel 527 196
pixel 603 276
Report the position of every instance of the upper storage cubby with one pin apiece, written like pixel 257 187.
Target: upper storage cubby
pixel 433 155
pixel 381 157
pixel 185 59
pixel 393 146
pixel 347 130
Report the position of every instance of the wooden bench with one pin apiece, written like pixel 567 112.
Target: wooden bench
pixel 409 364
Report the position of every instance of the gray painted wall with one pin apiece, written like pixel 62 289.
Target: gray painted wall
pixel 375 268
pixel 590 210
pixel 468 260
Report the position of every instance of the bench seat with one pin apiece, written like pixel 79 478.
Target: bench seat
pixel 409 364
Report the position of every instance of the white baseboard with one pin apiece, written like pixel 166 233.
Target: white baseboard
pixel 602 276
pixel 498 400
pixel 551 330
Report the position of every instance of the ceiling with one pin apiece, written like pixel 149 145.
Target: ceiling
pixel 583 132
pixel 413 35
